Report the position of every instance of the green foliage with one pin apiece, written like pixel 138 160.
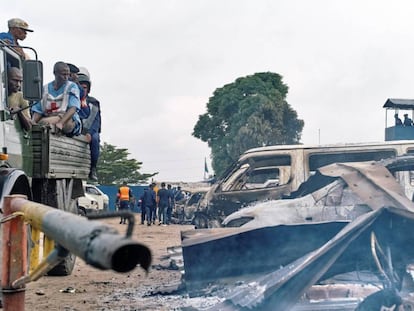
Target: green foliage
pixel 250 112
pixel 114 167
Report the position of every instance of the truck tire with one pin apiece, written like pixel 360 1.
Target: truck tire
pixel 58 193
pixel 65 267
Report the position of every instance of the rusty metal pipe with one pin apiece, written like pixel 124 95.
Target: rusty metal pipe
pixel 96 243
pixel 14 258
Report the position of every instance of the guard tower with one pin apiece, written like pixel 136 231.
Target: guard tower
pixel 398 107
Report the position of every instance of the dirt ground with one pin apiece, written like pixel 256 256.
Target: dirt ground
pixel 91 289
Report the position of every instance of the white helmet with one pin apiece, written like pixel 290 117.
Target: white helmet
pixel 84 71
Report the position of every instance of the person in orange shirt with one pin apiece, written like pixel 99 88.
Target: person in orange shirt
pixel 124 196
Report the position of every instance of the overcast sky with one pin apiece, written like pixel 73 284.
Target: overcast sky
pixel 155 63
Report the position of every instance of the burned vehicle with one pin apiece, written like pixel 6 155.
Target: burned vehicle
pixel 184 210
pixel 354 250
pixel 274 172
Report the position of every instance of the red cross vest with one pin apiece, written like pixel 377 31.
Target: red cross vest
pixel 52 105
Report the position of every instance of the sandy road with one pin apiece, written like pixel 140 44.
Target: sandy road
pixel 92 289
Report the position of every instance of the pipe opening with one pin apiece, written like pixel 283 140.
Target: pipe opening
pixel 127 257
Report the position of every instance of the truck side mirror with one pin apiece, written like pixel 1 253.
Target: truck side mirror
pixel 32 80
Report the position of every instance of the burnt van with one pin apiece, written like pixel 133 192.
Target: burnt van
pixel 272 172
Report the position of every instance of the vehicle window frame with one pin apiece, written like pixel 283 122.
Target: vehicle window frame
pixel 327 158
pixel 237 179
pixel 92 190
pixel 12 61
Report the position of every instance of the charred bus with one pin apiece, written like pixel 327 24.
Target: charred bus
pixel 272 172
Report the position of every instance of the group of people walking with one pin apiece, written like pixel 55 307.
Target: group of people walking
pixel 154 202
pixel 159 202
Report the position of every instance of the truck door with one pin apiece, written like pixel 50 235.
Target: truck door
pixel 16 140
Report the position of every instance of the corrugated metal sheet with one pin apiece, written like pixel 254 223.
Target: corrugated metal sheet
pixel 58 156
pixel 399 103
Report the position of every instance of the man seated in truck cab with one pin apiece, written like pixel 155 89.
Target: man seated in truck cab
pixel 15 99
pixel 60 103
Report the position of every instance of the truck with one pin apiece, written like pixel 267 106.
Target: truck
pixel 94 201
pixel 40 163
pixel 87 204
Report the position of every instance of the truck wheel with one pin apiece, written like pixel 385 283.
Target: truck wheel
pixel 58 193
pixel 65 267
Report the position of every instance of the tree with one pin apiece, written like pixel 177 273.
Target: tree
pixel 114 167
pixel 250 112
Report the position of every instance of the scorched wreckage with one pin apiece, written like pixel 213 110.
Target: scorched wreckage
pixel 303 228
pixel 273 172
pixel 345 234
pixel 341 239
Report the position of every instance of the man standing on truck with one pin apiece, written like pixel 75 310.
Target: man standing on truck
pixel 60 103
pixel 18 29
pixel 73 76
pixel 125 195
pixel 91 121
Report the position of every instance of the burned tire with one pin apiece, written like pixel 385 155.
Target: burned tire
pixel 214 223
pixel 65 267
pixel 200 221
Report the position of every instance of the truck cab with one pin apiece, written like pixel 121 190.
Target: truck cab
pixel 13 140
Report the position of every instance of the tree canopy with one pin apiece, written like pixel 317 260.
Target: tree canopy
pixel 114 167
pixel 250 112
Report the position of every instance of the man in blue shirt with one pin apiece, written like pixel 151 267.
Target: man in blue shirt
pixel 60 103
pixel 18 29
pixel 91 120
pixel 163 203
pixel 150 204
pixel 170 203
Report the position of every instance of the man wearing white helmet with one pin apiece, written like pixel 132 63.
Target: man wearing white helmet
pixel 84 71
pixel 91 121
